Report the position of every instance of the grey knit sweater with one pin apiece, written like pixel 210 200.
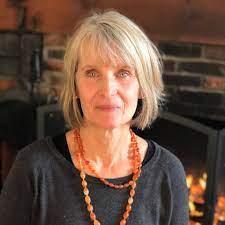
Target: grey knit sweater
pixel 43 188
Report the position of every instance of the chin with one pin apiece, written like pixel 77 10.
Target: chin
pixel 111 124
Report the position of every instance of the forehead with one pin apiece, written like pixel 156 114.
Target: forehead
pixel 93 53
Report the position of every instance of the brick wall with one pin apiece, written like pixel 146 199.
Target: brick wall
pixel 53 52
pixel 194 75
pixel 16 70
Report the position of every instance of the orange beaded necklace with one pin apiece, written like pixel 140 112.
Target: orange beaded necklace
pixel 131 183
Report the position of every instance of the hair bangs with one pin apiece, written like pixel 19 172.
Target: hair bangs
pixel 108 49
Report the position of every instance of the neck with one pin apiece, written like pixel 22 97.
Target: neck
pixel 106 147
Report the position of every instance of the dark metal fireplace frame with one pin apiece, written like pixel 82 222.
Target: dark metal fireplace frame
pixel 214 151
pixel 211 160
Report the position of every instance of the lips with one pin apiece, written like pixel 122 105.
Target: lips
pixel 108 107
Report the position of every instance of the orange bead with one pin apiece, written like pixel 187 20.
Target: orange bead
pixel 84 183
pixel 86 191
pixel 135 177
pixel 130 200
pixel 93 216
pixel 96 222
pixel 122 222
pixel 132 192
pixel 106 182
pixel 90 208
pixel 133 185
pixel 87 199
pixel 128 208
pixel 82 175
pixel 125 215
pixel 131 182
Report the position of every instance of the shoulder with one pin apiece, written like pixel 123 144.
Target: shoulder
pixel 36 153
pixel 170 164
pixel 163 158
pixel 29 163
pixel 167 159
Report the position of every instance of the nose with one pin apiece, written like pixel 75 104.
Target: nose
pixel 108 85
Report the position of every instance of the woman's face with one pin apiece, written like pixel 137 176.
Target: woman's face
pixel 108 93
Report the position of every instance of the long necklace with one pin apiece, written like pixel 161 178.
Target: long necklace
pixel 132 183
pixel 136 161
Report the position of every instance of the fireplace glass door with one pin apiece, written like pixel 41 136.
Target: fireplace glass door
pixel 219 214
pixel 192 143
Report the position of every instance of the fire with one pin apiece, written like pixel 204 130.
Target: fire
pixel 196 197
pixel 202 181
pixel 189 180
pixel 193 223
pixel 219 210
pixel 196 191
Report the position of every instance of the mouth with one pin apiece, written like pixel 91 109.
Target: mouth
pixel 108 107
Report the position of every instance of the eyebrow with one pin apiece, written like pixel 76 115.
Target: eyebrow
pixel 87 66
pixel 118 66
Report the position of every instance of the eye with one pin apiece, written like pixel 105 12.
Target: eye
pixel 91 73
pixel 124 73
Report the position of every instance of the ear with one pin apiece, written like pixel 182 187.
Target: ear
pixel 140 95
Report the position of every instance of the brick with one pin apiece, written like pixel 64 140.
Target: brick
pixel 9 65
pixel 31 41
pixel 170 89
pixel 212 120
pixel 52 77
pixel 9 44
pixel 197 111
pixel 182 80
pixel 6 84
pixel 169 65
pixel 51 83
pixel 54 64
pixel 214 112
pixel 55 39
pixel 216 69
pixel 180 49
pixel 216 83
pixel 201 98
pixel 170 93
pixel 56 53
pixel 215 52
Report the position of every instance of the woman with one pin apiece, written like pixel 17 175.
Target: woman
pixel 100 172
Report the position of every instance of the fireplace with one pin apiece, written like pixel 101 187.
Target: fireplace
pixel 200 145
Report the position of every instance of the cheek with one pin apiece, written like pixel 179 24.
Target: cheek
pixel 84 89
pixel 132 91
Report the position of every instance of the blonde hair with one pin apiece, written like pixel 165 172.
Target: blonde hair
pixel 114 37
